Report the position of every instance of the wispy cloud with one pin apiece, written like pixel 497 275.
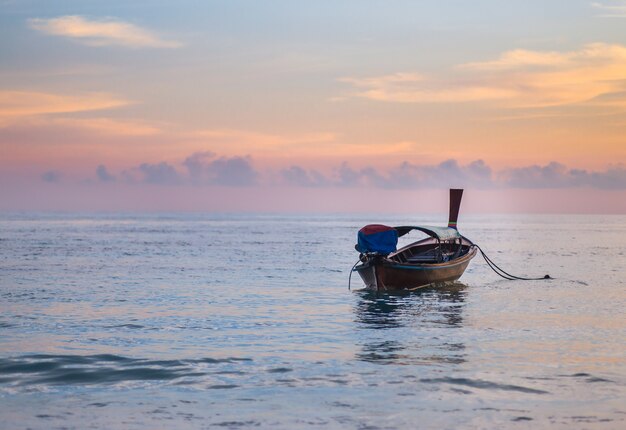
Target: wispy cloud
pixel 198 169
pixel 103 174
pixel 450 173
pixel 416 88
pixel 591 74
pixel 233 141
pixel 205 169
pixel 162 173
pixel 311 145
pixel 29 103
pixel 300 177
pixel 103 32
pixel 108 126
pixel 516 79
pixel 521 58
pixel 611 10
pixel 556 175
pixel 271 140
pixel 407 175
pixel 51 176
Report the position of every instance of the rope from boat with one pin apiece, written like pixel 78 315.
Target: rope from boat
pixel 504 274
pixel 352 270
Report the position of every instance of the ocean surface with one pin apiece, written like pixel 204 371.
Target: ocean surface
pixel 246 321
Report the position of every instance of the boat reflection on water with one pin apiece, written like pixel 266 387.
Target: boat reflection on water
pixel 411 328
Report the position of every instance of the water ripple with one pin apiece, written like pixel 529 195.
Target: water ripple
pixel 41 369
pixel 477 383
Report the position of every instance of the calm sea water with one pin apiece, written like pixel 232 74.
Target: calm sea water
pixel 198 321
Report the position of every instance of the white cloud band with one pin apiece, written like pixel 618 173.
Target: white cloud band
pixel 101 32
pixel 516 79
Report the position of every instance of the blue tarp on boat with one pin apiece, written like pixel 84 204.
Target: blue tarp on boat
pixel 377 238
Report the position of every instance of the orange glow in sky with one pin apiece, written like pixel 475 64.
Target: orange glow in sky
pixel 230 98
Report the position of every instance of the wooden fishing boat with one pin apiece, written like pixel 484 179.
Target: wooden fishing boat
pixel 441 257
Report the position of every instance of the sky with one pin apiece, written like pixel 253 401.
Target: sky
pixel 313 106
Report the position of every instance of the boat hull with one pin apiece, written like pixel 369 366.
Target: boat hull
pixel 382 274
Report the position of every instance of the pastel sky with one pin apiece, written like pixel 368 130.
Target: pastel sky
pixel 331 106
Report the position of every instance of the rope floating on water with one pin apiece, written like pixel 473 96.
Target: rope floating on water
pixel 504 274
pixel 352 270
